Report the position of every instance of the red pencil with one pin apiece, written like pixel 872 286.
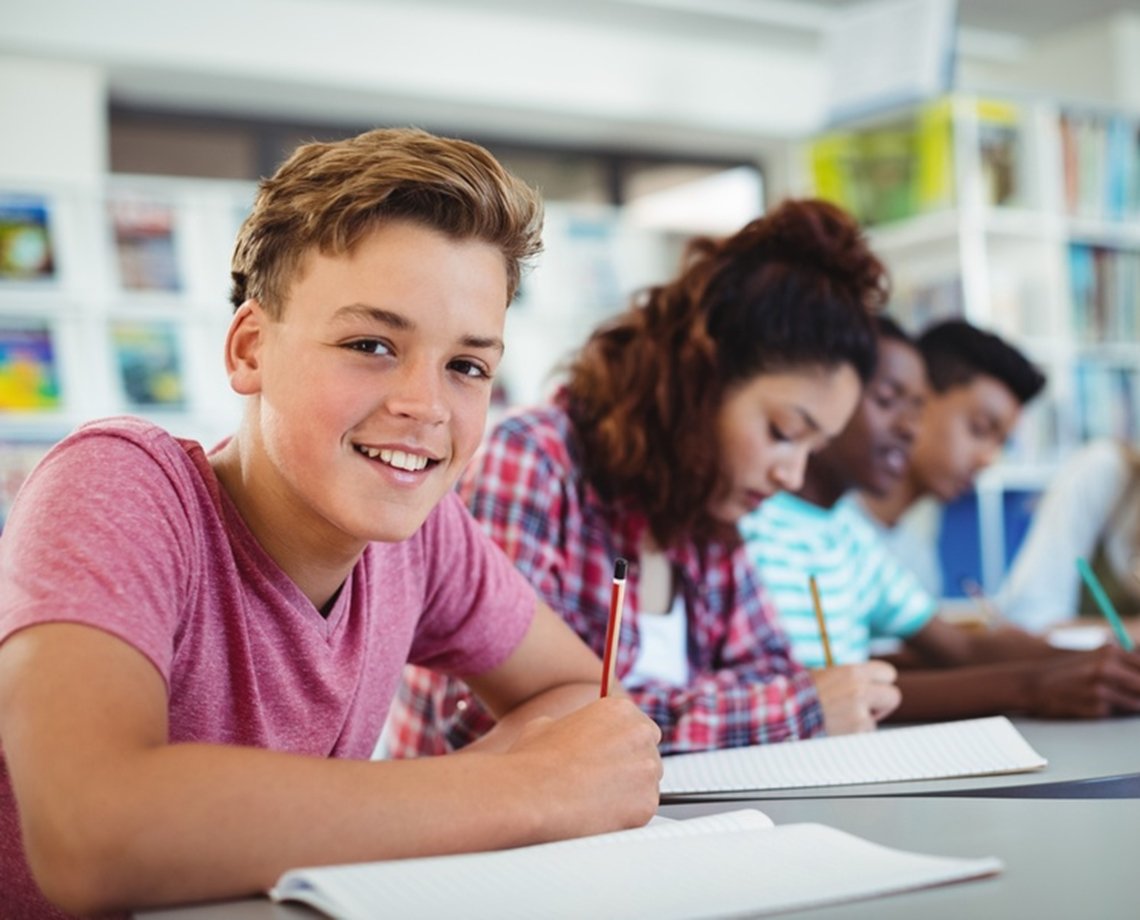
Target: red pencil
pixel 613 628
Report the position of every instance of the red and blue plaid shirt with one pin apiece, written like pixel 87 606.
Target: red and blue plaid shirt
pixel 527 489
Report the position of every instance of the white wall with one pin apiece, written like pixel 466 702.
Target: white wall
pixel 481 69
pixel 54 118
pixel 1097 64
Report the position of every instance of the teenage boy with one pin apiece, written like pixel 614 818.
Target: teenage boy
pixel 199 648
pixel 979 384
pixel 866 593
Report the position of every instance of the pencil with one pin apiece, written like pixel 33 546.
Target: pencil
pixel 989 616
pixel 828 661
pixel 613 628
pixel 1105 605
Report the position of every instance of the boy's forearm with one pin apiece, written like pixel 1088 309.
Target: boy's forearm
pixel 1010 644
pixel 188 822
pixel 962 693
pixel 556 702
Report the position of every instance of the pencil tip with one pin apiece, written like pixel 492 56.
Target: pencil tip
pixel 620 566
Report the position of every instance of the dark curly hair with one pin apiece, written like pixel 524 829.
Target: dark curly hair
pixel 794 289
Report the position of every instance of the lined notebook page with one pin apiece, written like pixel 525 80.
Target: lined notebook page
pixel 695 868
pixel 973 747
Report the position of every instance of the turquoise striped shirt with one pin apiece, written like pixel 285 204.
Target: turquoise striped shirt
pixel 865 592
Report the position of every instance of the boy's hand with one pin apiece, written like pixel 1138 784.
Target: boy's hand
pixel 856 697
pixel 600 764
pixel 1086 685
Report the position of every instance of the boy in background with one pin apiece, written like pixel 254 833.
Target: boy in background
pixel 866 593
pixel 978 386
pixel 199 648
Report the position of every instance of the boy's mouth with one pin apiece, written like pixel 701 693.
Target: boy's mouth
pixel 397 459
pixel 894 459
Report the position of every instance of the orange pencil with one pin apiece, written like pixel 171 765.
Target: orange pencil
pixel 613 628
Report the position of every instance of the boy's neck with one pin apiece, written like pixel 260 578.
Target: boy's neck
pixel 888 509
pixel 319 575
pixel 822 491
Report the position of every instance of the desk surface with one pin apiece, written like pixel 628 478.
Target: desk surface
pixel 1062 858
pixel 1106 751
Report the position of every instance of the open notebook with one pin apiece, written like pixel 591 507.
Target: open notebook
pixel 730 864
pixel 972 747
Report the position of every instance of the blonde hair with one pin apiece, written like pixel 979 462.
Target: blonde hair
pixel 328 196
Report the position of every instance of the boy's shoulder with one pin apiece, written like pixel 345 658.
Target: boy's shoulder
pixel 105 435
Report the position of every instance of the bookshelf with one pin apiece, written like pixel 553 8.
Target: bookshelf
pixel 1023 216
pixel 113 300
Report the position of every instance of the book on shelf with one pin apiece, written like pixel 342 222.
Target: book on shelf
pixel 1100 156
pixel 147 355
pixel 29 366
pixel 27 252
pixel 1104 286
pixel 970 747
pixel 905 167
pixel 145 239
pixel 1106 400
pixel 999 149
pixel 735 863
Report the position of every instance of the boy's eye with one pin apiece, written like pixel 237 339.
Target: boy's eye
pixel 369 346
pixel 470 368
pixel 777 433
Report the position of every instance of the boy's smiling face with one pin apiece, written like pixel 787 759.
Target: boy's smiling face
pixel 873 450
pixel 372 389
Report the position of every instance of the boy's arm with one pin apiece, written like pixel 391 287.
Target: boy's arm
pixel 114 816
pixel 571 672
pixel 1080 685
pixel 942 644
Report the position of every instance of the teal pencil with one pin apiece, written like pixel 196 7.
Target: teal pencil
pixel 1105 605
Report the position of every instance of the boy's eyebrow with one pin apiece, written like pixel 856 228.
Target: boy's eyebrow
pixel 403 323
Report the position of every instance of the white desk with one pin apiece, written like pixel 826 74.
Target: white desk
pixel 1087 759
pixel 1062 859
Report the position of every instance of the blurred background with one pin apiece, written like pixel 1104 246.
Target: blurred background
pixel 991 148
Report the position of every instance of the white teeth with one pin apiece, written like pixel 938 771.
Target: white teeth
pixel 401 460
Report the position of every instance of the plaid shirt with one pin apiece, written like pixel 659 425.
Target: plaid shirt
pixel 526 488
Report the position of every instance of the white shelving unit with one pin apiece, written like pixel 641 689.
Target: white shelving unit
pixel 101 342
pixel 1007 265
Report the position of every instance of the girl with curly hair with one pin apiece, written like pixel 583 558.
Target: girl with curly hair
pixel 678 417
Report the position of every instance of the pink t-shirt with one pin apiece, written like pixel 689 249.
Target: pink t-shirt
pixel 127 529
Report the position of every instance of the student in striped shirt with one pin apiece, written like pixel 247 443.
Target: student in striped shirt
pixel 945 672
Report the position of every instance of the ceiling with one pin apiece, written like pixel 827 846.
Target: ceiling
pixel 718 76
pixel 1025 18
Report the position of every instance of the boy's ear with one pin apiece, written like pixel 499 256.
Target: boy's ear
pixel 243 348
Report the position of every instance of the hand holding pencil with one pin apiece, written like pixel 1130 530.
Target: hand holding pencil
pixel 608 749
pixel 854 697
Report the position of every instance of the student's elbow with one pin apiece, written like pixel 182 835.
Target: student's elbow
pixel 74 868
